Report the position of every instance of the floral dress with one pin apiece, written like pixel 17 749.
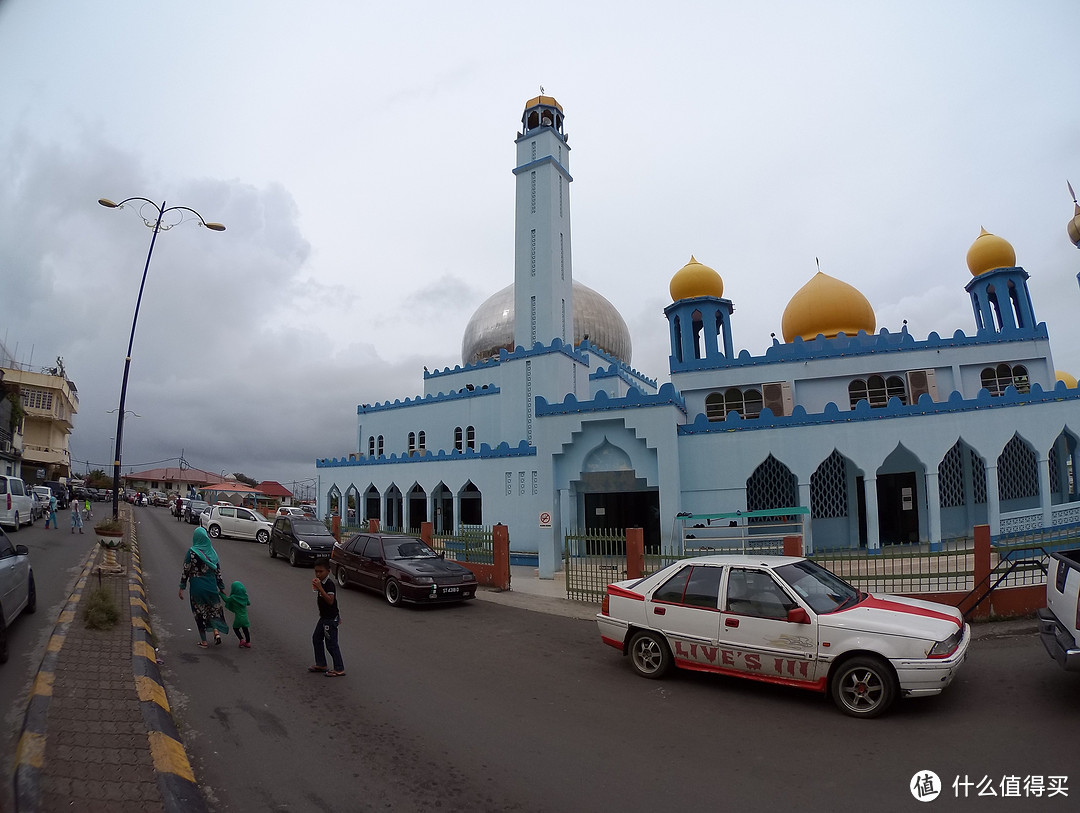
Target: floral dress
pixel 206 587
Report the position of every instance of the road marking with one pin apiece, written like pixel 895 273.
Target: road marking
pixel 169 756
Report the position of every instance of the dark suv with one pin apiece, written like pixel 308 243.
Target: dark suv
pixel 299 539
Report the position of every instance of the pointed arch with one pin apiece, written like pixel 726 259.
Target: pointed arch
pixel 772 485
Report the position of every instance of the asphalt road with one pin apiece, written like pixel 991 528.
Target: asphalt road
pixel 485 707
pixel 57 557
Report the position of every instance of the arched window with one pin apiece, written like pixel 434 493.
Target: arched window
pixel 412 442
pixel 458 445
pixel 747 403
pixel 996 379
pixel 421 440
pixel 371 446
pixel 470 437
pixel 380 446
pixel 877 390
pixel 714 406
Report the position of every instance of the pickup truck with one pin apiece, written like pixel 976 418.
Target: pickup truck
pixel 1059 623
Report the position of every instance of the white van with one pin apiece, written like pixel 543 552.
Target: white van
pixel 16 505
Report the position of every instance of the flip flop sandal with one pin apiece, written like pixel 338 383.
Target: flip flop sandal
pixel 217 639
pixel 316 668
pixel 332 673
pixel 203 645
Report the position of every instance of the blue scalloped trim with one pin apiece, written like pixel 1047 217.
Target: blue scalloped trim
pixel 504 449
pixel 519 352
pixel 623 366
pixel 633 399
pixel 366 409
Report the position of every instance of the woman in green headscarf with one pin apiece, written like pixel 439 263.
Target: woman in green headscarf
pixel 202 571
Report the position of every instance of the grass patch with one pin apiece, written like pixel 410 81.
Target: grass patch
pixel 101 612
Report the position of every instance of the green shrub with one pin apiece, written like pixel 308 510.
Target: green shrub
pixel 101 612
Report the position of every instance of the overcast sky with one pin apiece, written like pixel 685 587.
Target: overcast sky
pixel 360 155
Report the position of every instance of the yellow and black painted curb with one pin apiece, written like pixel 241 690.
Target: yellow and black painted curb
pixel 175 779
pixel 30 751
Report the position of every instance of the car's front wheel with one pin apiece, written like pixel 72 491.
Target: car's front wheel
pixel 863 686
pixel 649 655
pixel 392 591
pixel 262 536
pixel 214 531
pixel 342 577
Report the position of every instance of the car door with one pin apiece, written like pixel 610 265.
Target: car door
pixel 225 518
pixel 685 608
pixel 756 630
pixel 11 587
pixel 279 536
pixel 246 524
pixel 373 564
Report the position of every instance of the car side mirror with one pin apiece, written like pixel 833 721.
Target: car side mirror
pixel 797 615
pixel 22 550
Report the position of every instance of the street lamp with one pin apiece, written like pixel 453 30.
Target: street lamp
pixel 157 226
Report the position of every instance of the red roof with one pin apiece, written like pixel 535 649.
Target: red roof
pixel 175 475
pixel 272 488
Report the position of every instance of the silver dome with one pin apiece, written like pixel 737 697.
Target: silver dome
pixel 491 328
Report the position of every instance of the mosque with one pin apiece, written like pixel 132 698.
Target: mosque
pixel 884 438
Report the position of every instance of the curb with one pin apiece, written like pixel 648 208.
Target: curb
pixel 175 779
pixel 30 751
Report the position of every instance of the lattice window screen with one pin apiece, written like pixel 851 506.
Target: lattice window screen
pixel 772 485
pixel 951 478
pixel 1018 472
pixel 828 488
pixel 978 477
pixel 1055 479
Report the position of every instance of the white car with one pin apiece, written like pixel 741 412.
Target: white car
pixel 16 503
pixel 786 620
pixel 296 511
pixel 17 591
pixel 237 522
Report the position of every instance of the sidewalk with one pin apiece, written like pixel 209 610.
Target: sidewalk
pixel 97 735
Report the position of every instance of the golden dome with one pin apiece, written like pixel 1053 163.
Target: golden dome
pixel 1074 226
pixel 695 279
pixel 1061 375
pixel 989 252
pixel 548 100
pixel 828 306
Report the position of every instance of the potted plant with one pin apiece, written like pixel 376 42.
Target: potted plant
pixel 110 534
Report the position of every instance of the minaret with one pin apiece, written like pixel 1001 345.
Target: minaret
pixel 543 282
pixel 999 290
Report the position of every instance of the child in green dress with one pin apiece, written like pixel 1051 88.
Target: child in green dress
pixel 237 603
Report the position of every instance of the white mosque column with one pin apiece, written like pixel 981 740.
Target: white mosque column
pixel 1046 499
pixel 434 516
pixel 808 521
pixel 933 507
pixel 873 532
pixel 382 510
pixel 993 501
pixel 456 528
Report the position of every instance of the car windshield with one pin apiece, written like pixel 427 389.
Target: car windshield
pixel 822 590
pixel 197 505
pixel 407 549
pixel 311 528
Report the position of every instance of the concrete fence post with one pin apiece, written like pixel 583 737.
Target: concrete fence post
pixel 793 546
pixel 335 527
pixel 981 570
pixel 427 531
pixel 373 526
pixel 635 553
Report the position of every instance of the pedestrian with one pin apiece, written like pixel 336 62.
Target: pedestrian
pixel 76 516
pixel 178 511
pixel 202 569
pixel 88 510
pixel 325 637
pixel 237 603
pixel 52 512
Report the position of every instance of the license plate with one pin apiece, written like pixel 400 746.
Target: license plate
pixel 451 589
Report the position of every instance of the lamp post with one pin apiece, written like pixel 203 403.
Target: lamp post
pixel 157 226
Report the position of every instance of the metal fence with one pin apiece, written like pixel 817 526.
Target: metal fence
pixel 473 543
pixel 592 560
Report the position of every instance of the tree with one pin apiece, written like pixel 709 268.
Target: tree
pixel 98 479
pixel 243 478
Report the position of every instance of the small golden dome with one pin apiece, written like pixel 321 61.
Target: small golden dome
pixel 1074 226
pixel 1061 375
pixel 695 279
pixel 989 252
pixel 827 306
pixel 548 100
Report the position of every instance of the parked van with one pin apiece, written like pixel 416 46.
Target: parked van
pixel 16 505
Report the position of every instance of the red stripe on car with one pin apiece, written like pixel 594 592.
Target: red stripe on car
pixel 622 592
pixel 875 603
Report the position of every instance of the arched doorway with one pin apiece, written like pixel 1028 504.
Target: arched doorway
pixel 614 497
pixel 472 505
pixel 371 503
pixel 394 508
pixel 443 500
pixel 901 490
pixel 417 507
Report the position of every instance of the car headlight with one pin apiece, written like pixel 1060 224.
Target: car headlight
pixel 422 580
pixel 943 649
pixel 304 545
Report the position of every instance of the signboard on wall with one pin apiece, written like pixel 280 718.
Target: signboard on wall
pixel 545 519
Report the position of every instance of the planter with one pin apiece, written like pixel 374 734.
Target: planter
pixel 110 540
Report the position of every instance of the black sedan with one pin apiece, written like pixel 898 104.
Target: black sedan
pixel 402 568
pixel 300 539
pixel 192 511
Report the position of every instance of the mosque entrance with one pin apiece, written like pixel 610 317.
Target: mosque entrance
pixel 625 509
pixel 898 508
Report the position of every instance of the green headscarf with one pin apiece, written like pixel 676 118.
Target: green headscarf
pixel 203 548
pixel 238 593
